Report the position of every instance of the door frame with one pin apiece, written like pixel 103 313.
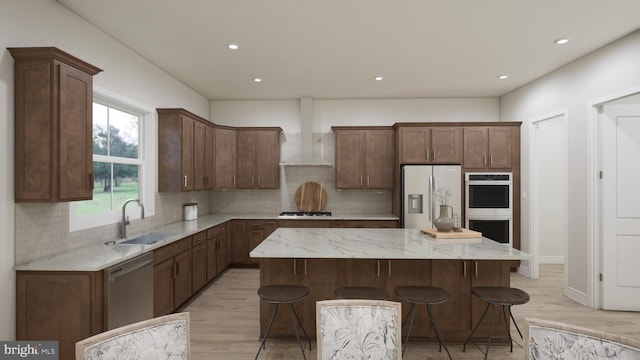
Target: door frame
pixel 594 191
pixel 534 188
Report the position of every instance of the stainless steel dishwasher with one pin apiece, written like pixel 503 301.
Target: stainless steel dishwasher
pixel 130 291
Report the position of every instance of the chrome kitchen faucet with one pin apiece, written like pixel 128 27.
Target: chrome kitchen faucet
pixel 125 219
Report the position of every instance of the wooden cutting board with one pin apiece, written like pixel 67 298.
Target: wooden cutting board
pixel 311 196
pixel 465 233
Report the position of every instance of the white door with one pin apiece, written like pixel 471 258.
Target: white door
pixel 620 129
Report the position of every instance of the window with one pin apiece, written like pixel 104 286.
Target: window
pixel 118 164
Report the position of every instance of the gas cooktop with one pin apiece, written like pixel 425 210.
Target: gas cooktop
pixel 304 213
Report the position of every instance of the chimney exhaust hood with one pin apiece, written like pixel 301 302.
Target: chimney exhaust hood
pixel 306 156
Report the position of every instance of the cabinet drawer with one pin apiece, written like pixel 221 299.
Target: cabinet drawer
pixel 215 231
pixel 199 238
pixel 171 250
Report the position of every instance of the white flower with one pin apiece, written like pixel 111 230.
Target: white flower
pixel 442 195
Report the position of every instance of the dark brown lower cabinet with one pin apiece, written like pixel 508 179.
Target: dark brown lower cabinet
pixel 61 306
pixel 217 259
pixel 455 317
pixel 172 284
pixel 199 260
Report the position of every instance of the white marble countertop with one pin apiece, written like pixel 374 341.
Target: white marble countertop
pixel 378 244
pixel 100 256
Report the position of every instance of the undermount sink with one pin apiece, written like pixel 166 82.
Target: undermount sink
pixel 145 239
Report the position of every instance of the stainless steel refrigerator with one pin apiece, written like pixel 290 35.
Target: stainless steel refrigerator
pixel 423 188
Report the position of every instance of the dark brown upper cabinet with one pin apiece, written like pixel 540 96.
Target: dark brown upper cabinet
pixel 53 125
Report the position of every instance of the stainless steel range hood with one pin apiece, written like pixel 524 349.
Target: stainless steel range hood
pixel 306 156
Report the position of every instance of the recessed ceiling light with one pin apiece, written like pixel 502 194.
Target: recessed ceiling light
pixel 233 46
pixel 502 77
pixel 561 41
pixel 257 80
pixel 378 78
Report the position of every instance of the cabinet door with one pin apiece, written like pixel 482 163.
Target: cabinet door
pixel 455 277
pixel 75 134
pixel 499 144
pixel 267 159
pixel 321 275
pixel 416 145
pixel 254 238
pixel 62 306
pixel 446 144
pixel 187 153
pixel 409 273
pixel 246 156
pixel 488 273
pixel 212 257
pixel 475 148
pixel 163 288
pixel 239 241
pixel 379 163
pixel 363 272
pixel 34 165
pixel 199 163
pixel 350 159
pixel 199 269
pixel 182 288
pixel 225 158
pixel 279 271
pixel 209 158
pixel 221 260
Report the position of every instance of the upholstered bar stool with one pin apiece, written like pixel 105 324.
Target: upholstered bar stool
pixel 423 295
pixel 361 292
pixel 284 294
pixel 505 297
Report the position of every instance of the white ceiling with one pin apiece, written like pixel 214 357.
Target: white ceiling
pixel 334 48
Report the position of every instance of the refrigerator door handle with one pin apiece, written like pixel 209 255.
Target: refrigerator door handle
pixel 432 203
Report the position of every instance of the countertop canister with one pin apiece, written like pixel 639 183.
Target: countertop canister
pixel 190 211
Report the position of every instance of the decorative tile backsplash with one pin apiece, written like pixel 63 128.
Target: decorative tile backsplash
pixel 42 230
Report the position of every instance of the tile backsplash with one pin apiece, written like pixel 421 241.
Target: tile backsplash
pixel 42 230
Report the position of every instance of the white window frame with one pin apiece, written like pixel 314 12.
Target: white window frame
pixel 146 160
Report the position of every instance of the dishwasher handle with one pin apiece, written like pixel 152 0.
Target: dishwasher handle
pixel 128 267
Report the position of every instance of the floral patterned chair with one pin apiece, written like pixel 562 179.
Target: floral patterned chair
pixel 552 340
pixel 358 329
pixel 161 338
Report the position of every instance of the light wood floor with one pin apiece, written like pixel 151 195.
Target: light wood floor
pixel 224 320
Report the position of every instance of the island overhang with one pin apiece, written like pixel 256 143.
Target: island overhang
pixel 338 243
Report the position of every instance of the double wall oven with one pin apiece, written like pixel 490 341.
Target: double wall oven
pixel 489 205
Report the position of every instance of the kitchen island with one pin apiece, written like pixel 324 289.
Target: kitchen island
pixel 328 258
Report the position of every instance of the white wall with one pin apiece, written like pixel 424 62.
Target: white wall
pixel 352 112
pixel 47 23
pixel 550 177
pixel 609 70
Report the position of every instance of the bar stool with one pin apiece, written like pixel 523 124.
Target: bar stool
pixel 284 294
pixel 427 295
pixel 361 292
pixel 498 295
